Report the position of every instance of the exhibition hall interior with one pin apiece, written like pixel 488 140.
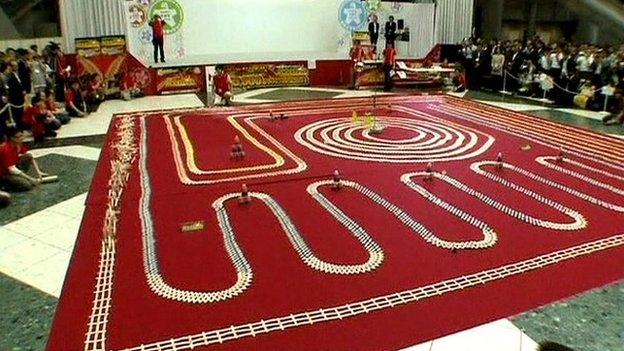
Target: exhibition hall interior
pixel 418 175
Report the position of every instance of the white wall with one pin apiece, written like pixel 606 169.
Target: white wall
pixel 244 26
pixel 216 31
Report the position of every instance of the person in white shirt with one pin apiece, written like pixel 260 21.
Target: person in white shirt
pixel 583 65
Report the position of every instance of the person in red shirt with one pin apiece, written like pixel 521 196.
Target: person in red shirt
pixel 223 85
pixel 389 65
pixel 15 160
pixel 158 37
pixel 74 100
pixel 42 122
pixel 357 55
pixel 50 105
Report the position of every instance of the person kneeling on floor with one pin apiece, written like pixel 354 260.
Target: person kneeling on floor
pixel 223 85
pixel 42 122
pixel 74 100
pixel 15 160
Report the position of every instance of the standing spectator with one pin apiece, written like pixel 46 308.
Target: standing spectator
pixel 15 161
pixel 24 70
pixel 17 95
pixel 498 65
pixel 373 32
pixel 4 110
pixel 158 37
pixel 41 72
pixel 61 69
pixel 390 31
pixel 583 65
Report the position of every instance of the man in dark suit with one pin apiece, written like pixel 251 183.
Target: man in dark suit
pixel 390 31
pixel 17 95
pixel 373 32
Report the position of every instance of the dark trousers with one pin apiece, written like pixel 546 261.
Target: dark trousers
pixel 18 113
pixel 159 45
pixel 373 39
pixel 387 78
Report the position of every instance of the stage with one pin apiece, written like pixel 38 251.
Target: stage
pixel 456 214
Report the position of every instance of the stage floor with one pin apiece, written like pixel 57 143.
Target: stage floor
pixel 396 256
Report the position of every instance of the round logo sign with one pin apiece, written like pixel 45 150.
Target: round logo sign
pixel 138 16
pixel 171 12
pixel 352 15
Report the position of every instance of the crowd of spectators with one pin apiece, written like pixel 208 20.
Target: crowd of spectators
pixel 34 82
pixel 581 75
pixel 33 87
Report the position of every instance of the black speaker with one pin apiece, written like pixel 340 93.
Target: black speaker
pixel 400 24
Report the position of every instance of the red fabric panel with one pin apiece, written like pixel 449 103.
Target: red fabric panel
pixel 283 284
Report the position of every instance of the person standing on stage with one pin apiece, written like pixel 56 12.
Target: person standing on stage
pixel 158 37
pixel 390 31
pixel 373 32
pixel 389 65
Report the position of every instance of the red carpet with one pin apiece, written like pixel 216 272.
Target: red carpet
pixel 396 256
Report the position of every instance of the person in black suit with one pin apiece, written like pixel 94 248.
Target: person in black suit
pixel 24 69
pixel 390 31
pixel 373 32
pixel 17 95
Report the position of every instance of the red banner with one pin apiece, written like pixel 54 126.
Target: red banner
pixel 265 75
pixel 179 80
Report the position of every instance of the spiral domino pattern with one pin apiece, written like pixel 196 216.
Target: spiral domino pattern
pixel 432 141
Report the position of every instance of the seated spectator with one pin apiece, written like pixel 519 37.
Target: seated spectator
pixel 74 100
pixel 50 101
pixel 15 161
pixel 459 81
pixel 96 93
pixel 223 85
pixel 586 96
pixel 129 88
pixel 42 122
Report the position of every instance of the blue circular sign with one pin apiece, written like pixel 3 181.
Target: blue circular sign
pixel 352 15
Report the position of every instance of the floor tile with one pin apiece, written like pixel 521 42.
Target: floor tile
pixel 38 223
pixel 74 178
pixel 47 275
pixel 582 113
pixel 62 236
pixel 515 106
pixel 9 238
pixel 23 255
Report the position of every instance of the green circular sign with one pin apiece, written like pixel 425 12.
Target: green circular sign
pixel 171 12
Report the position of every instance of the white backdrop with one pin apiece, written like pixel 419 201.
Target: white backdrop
pixel 242 26
pixel 215 31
